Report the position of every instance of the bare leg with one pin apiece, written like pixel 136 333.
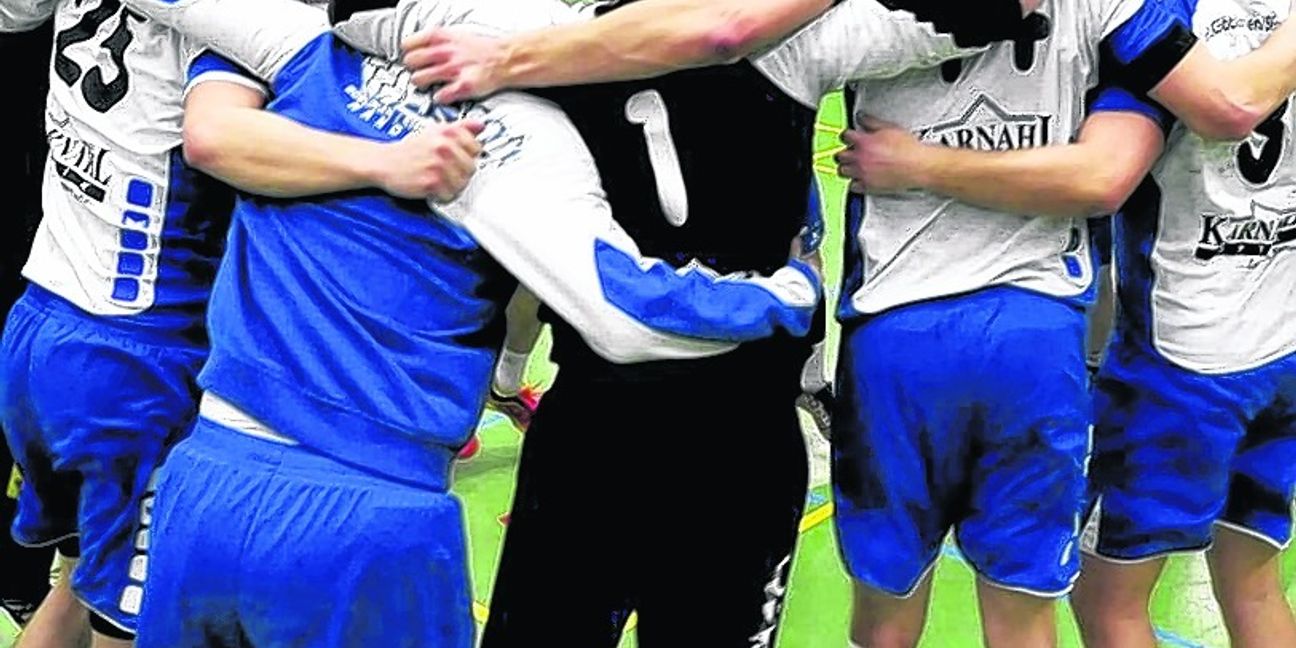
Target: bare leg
pixel 1245 572
pixel 523 332
pixel 880 620
pixel 1015 620
pixel 1111 603
pixel 60 621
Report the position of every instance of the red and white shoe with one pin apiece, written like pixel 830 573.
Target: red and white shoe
pixel 520 408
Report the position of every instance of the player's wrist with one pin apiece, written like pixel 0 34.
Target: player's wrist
pixel 369 164
pixel 922 168
pixel 515 59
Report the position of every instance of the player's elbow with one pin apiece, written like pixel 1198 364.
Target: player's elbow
pixel 730 42
pixel 1229 119
pixel 201 144
pixel 730 35
pixel 619 345
pixel 1110 196
pixel 1104 193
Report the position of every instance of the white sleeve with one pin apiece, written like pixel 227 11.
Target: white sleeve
pixel 380 32
pixel 24 15
pixel 209 66
pixel 537 205
pixel 856 40
pixel 1105 16
pixel 262 36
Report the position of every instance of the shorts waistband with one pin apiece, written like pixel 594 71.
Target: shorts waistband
pixel 46 301
pixel 289 459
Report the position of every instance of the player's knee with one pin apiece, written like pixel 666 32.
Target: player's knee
pixel 886 635
pixel 1244 570
pixel 1242 589
pixel 884 621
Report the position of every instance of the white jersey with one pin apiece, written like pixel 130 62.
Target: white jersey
pixel 1222 291
pixel 920 246
pixel 116 194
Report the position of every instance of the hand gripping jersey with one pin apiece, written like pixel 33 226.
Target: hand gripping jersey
pixel 1209 242
pixel 128 229
pixel 711 165
pixel 1027 93
pixel 366 327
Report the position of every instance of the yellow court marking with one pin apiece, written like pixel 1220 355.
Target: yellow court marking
pixel 822 155
pixel 816 517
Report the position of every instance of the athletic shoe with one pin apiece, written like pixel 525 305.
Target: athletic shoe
pixel 519 408
pixel 15 614
pixel 819 406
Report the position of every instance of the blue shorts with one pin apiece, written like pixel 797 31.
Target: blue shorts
pixel 1177 452
pixel 969 413
pixel 88 407
pixel 256 543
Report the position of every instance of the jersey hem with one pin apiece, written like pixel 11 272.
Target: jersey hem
pixel 349 437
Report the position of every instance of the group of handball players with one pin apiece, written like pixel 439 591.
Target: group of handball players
pixel 267 261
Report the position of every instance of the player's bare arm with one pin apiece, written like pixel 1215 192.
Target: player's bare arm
pixel 1227 100
pixel 229 136
pixel 1092 177
pixel 24 15
pixel 649 38
pixel 640 40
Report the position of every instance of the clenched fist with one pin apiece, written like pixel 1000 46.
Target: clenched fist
pixel 437 162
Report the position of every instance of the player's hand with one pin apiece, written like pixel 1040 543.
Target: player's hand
pixel 881 159
pixel 436 162
pixel 469 65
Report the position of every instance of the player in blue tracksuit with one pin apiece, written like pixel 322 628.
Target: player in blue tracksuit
pixel 353 338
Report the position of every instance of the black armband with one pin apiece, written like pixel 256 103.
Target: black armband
pixel 1153 64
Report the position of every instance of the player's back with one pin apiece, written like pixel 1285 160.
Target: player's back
pixel 1029 93
pixel 1208 245
pixel 712 165
pixel 388 364
pixel 129 231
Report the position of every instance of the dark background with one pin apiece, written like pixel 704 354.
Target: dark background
pixel 25 59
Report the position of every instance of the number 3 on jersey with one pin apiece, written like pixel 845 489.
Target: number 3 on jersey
pixel 1257 160
pixel 99 95
pixel 648 109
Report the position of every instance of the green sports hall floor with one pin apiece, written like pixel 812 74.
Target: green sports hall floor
pixel 817 607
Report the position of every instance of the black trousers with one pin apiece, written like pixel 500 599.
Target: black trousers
pixel 678 498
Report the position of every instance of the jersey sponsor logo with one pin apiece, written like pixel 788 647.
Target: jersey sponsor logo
pixel 987 126
pixel 1224 24
pixel 84 167
pixel 1265 231
pixel 387 100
